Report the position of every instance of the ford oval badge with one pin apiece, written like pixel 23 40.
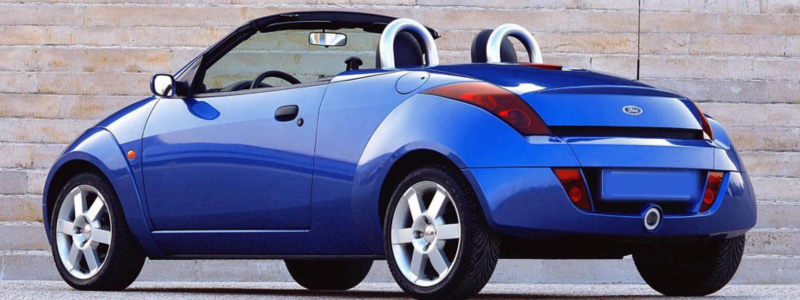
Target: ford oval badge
pixel 632 110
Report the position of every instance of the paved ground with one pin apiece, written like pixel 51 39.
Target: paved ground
pixel 19 290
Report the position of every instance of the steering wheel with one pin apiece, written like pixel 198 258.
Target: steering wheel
pixel 276 74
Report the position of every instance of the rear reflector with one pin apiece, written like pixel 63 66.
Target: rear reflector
pixel 504 104
pixel 713 184
pixel 572 181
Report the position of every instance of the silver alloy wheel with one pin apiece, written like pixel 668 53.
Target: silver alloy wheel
pixel 83 232
pixel 425 239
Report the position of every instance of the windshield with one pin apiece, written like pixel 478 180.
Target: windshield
pixel 290 52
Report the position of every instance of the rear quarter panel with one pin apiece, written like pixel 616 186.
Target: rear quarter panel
pixel 351 111
pixel 469 136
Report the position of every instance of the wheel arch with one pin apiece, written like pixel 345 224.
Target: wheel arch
pixel 414 128
pixel 376 179
pixel 59 178
pixel 406 164
pixel 98 150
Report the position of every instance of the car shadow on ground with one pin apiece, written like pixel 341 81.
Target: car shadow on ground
pixel 375 294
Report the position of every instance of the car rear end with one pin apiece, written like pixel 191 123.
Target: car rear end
pixel 568 163
pixel 660 156
pixel 648 165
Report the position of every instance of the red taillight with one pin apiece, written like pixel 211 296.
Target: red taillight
pixel 709 135
pixel 573 184
pixel 713 184
pixel 504 104
pixel 543 66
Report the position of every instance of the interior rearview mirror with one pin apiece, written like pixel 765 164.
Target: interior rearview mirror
pixel 327 39
pixel 163 85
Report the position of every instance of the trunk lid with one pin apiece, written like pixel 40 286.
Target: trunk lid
pixel 613 106
pixel 575 102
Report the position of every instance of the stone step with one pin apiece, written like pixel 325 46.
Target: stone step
pixel 20 207
pixel 755 269
pixel 782 241
pixel 778 214
pixel 30 236
pixel 23 236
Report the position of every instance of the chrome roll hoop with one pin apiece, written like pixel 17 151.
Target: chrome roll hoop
pixel 386 45
pixel 519 32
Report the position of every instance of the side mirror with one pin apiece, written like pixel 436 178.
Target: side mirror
pixel 163 85
pixel 327 39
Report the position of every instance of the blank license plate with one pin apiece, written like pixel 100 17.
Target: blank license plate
pixel 669 185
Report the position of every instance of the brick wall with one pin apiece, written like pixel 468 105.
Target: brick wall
pixel 64 64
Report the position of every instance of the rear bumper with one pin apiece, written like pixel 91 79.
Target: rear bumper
pixel 531 203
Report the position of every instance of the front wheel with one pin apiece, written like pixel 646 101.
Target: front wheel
pixel 92 245
pixel 690 269
pixel 437 242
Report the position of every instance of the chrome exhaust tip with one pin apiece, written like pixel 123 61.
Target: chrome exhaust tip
pixel 652 218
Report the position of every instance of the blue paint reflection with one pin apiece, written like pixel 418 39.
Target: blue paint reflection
pixel 202 109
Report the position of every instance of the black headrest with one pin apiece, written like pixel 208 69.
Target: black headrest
pixel 507 52
pixel 407 52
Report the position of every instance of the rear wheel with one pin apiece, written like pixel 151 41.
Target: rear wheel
pixel 692 269
pixel 91 243
pixel 437 242
pixel 336 275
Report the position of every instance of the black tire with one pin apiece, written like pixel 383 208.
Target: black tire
pixel 692 269
pixel 479 247
pixel 124 260
pixel 337 275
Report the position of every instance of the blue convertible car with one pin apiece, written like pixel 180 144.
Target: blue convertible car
pixel 285 141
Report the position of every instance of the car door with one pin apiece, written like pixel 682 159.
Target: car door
pixel 234 157
pixel 232 162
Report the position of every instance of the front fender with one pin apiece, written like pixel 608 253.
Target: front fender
pixel 100 148
pixel 467 135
